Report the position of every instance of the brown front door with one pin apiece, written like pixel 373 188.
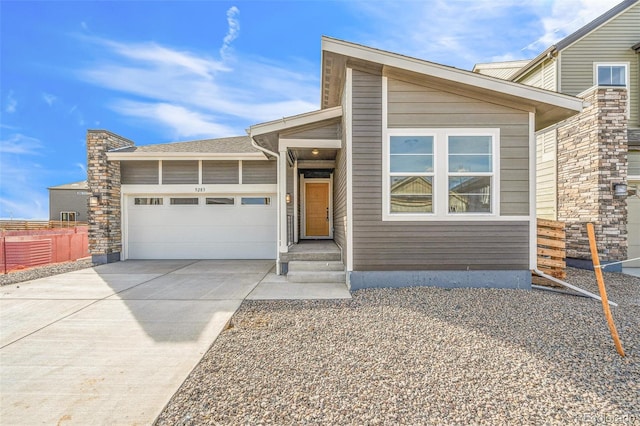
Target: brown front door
pixel 316 209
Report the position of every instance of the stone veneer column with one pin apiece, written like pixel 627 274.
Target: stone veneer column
pixel 103 178
pixel 592 156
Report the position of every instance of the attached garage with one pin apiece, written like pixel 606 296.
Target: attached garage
pixel 208 199
pixel 200 227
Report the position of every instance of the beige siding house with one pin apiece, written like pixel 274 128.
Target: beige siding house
pixel 598 61
pixel 414 172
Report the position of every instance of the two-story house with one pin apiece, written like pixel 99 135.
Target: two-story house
pixel 584 163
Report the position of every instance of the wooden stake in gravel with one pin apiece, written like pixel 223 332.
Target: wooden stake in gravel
pixel 603 291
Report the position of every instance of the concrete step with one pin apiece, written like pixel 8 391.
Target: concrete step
pixel 316 277
pixel 315 255
pixel 316 265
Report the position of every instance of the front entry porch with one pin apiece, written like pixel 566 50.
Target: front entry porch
pixel 313 269
pixel 314 261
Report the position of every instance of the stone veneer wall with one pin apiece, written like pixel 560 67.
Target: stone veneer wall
pixel 103 178
pixel 592 156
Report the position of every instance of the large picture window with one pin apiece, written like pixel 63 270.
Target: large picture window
pixel 437 173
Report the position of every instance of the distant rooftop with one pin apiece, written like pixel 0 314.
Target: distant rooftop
pixel 230 145
pixel 503 70
pixel 75 185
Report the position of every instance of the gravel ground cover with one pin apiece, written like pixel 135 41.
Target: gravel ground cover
pixel 422 356
pixel 43 271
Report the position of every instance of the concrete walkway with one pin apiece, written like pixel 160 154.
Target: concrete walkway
pixel 111 344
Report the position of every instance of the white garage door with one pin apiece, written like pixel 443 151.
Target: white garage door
pixel 633 228
pixel 201 227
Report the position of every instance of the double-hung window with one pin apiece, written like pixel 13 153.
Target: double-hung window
pixel 470 171
pixel 411 174
pixel 432 174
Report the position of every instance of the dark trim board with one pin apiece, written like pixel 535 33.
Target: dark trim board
pixel 588 264
pixel 101 259
pixel 520 279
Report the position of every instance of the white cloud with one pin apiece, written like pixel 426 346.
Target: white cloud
pixel 25 205
pixel 232 33
pixel 11 103
pixel 182 122
pixel 49 98
pixel 194 94
pixel 563 17
pixel 23 193
pixel 464 32
pixel 82 168
pixel 20 144
pixel 154 56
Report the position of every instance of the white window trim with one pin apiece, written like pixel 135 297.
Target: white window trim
pixel 75 215
pixel 441 175
pixel 627 83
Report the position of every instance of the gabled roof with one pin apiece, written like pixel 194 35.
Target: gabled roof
pixel 295 121
pixel 74 185
pixel 577 35
pixel 222 147
pixel 550 107
pixel 503 70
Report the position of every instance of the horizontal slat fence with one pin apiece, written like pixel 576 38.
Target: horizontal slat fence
pixel 26 225
pixel 551 251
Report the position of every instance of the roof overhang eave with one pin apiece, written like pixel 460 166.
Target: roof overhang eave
pixel 124 156
pixel 286 123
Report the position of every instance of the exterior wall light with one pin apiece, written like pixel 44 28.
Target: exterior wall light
pixel 315 151
pixel 94 200
pixel 288 198
pixel 619 189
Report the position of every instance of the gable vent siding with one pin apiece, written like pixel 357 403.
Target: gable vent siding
pixel 330 131
pixel 259 172
pixel 426 245
pixel 180 172
pixel 220 172
pixel 139 172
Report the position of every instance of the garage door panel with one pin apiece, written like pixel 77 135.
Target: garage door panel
pixel 196 234
pixel 200 231
pixel 202 251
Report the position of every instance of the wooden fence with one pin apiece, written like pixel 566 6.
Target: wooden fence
pixel 551 251
pixel 26 225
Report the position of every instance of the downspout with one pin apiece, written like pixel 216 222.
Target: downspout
pixel 268 152
pixel 570 286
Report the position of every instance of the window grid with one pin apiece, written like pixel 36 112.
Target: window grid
pixel 482 199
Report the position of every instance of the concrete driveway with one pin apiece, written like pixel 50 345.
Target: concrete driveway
pixel 111 344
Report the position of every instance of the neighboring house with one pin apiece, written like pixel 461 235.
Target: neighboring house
pixel 422 174
pixel 582 160
pixel 69 202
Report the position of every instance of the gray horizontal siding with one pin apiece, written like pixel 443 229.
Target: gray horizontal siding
pixel 329 131
pixel 180 172
pixel 139 172
pixel 412 105
pixel 220 172
pixel 610 43
pixel 426 245
pixel 259 172
pixel 340 199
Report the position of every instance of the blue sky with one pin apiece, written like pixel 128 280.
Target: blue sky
pixel 163 71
